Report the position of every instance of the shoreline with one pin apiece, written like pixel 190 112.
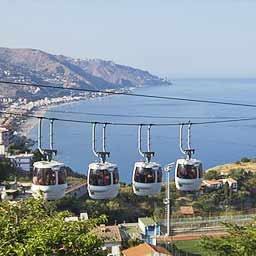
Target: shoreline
pixel 27 124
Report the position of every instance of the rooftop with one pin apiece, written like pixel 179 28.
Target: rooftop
pixel 186 210
pixel 108 233
pixel 212 182
pixel 21 155
pixel 145 250
pixel 230 180
pixel 147 221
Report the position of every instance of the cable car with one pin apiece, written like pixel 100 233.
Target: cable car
pixel 188 175
pixel 49 180
pixel 188 171
pixel 49 177
pixel 103 180
pixel 147 175
pixel 147 178
pixel 103 177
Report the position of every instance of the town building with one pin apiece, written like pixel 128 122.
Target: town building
pixel 149 230
pixel 146 250
pixel 4 139
pixel 232 183
pixel 217 184
pixel 111 237
pixel 213 184
pixel 22 162
pixel 187 211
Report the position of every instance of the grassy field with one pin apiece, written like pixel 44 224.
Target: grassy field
pixel 192 246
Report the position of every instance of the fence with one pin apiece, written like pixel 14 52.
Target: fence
pixel 204 224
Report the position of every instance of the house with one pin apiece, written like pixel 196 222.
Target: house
pixel 4 139
pixel 149 230
pixel 22 161
pixel 213 184
pixel 146 250
pixel 187 211
pixel 217 184
pixel 111 237
pixel 231 182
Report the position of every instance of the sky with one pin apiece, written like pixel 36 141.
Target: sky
pixel 174 38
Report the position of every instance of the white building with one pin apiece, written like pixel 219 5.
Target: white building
pixel 217 184
pixel 232 183
pixel 4 139
pixel 213 184
pixel 22 161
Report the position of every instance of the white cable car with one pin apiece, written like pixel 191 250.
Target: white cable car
pixel 189 171
pixel 49 180
pixel 103 177
pixel 49 177
pixel 147 175
pixel 103 180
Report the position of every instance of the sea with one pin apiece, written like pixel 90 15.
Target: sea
pixel 214 144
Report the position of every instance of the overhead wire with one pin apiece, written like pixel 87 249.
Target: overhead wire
pixel 120 115
pixel 128 124
pixel 129 94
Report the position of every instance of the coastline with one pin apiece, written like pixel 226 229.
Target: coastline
pixel 27 124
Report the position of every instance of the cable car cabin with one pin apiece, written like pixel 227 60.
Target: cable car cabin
pixel 49 180
pixel 147 178
pixel 188 175
pixel 103 180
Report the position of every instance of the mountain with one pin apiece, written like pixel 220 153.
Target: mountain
pixel 36 66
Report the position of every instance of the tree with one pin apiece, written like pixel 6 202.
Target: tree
pixel 212 175
pixel 34 227
pixel 239 241
pixel 6 169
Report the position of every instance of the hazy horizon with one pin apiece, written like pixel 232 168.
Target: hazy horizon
pixel 178 39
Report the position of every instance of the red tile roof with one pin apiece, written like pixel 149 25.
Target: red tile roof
pixel 145 250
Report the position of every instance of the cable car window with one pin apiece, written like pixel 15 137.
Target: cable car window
pixel 144 175
pixel 44 176
pixel 187 171
pixel 62 176
pixel 99 178
pixel 159 175
pixel 115 176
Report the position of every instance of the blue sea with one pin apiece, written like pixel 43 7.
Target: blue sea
pixel 215 144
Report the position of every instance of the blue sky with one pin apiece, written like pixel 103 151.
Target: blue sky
pixel 178 38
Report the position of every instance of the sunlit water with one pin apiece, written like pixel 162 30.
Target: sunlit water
pixel 215 144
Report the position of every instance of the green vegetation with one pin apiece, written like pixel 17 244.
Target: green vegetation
pixel 125 207
pixel 191 246
pixel 240 241
pixel 21 144
pixel 6 170
pixel 224 198
pixel 34 228
pixel 212 174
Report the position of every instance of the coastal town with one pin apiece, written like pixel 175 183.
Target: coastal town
pixel 127 128
pixel 148 234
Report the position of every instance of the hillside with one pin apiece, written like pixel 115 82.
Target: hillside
pixel 35 66
pixel 251 165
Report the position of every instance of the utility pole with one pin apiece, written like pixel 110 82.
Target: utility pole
pixel 167 200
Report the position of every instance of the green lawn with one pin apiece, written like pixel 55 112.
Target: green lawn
pixel 192 246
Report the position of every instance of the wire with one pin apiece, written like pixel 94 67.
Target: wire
pixel 119 115
pixel 129 94
pixel 129 124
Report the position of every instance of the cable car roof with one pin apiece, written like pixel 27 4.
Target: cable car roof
pixel 189 161
pixel 47 164
pixel 102 166
pixel 143 164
